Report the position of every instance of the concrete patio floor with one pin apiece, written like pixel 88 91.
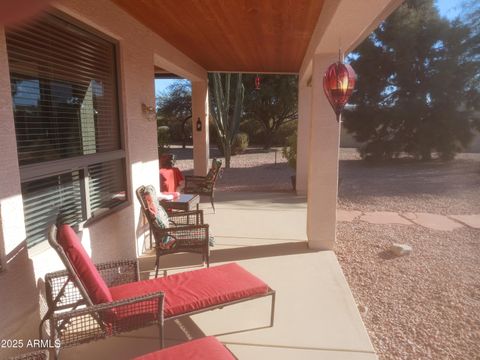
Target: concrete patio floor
pixel 315 317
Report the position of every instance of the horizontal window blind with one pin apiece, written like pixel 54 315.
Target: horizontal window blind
pixel 106 186
pixel 46 201
pixel 64 91
pixel 65 103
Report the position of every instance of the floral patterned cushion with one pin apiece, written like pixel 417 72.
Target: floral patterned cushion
pixel 157 214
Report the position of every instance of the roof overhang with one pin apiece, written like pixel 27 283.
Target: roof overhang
pixel 268 36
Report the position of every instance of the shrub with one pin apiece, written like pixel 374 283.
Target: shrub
pixel 289 152
pixel 163 138
pixel 240 143
pixel 257 135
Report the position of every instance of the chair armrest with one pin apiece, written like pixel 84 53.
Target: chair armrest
pixel 98 321
pixel 196 186
pixel 195 177
pixel 186 235
pixel 194 217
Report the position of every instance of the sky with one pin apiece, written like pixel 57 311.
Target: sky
pixel 448 8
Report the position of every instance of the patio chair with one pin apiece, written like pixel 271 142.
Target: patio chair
pixel 89 302
pixel 207 348
pixel 174 232
pixel 204 185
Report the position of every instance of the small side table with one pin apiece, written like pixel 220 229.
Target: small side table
pixel 185 202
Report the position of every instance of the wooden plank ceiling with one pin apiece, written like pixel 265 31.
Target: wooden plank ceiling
pixel 233 35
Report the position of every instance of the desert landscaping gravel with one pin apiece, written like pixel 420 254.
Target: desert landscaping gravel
pixel 425 305
pixel 255 170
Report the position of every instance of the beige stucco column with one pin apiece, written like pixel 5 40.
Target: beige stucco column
pixel 323 162
pixel 200 137
pixel 303 137
pixel 12 228
pixel 18 297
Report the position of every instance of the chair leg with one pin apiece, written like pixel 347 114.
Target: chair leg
pixel 212 202
pixel 207 256
pixel 161 323
pixel 161 333
pixel 157 265
pixel 272 315
pixel 40 327
pixel 150 234
pixel 56 351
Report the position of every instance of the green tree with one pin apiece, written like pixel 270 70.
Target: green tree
pixel 174 108
pixel 470 16
pixel 273 105
pixel 226 109
pixel 414 74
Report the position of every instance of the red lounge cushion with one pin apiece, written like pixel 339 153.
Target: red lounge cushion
pixel 83 265
pixel 195 290
pixel 170 179
pixel 207 348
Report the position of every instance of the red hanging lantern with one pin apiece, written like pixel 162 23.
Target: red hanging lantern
pixel 257 82
pixel 338 84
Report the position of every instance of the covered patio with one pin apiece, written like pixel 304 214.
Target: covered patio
pixel 287 240
pixel 315 314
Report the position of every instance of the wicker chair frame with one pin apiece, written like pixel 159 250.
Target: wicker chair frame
pixel 69 305
pixel 204 185
pixel 34 355
pixel 187 228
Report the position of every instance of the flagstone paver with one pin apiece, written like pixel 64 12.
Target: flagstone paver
pixel 384 217
pixel 347 215
pixel 433 221
pixel 430 221
pixel 472 221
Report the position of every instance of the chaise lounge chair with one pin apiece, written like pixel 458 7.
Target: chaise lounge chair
pixel 114 300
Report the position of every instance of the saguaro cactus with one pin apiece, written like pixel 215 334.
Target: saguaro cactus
pixel 226 116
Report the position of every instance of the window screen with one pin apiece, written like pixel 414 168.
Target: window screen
pixel 65 103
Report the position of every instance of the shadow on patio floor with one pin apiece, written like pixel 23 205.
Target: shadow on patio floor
pixel 237 253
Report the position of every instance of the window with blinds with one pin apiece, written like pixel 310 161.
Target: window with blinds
pixel 65 103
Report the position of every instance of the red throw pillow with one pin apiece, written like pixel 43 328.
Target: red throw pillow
pixel 83 265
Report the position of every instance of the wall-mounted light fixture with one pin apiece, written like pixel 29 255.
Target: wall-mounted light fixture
pixel 149 112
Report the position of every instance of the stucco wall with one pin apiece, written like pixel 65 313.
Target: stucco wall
pixel 116 236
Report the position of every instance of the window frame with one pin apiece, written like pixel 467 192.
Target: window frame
pixel 36 171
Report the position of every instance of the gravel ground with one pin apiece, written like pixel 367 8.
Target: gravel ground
pixel 410 186
pixel 426 305
pixel 255 170
pixel 422 306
